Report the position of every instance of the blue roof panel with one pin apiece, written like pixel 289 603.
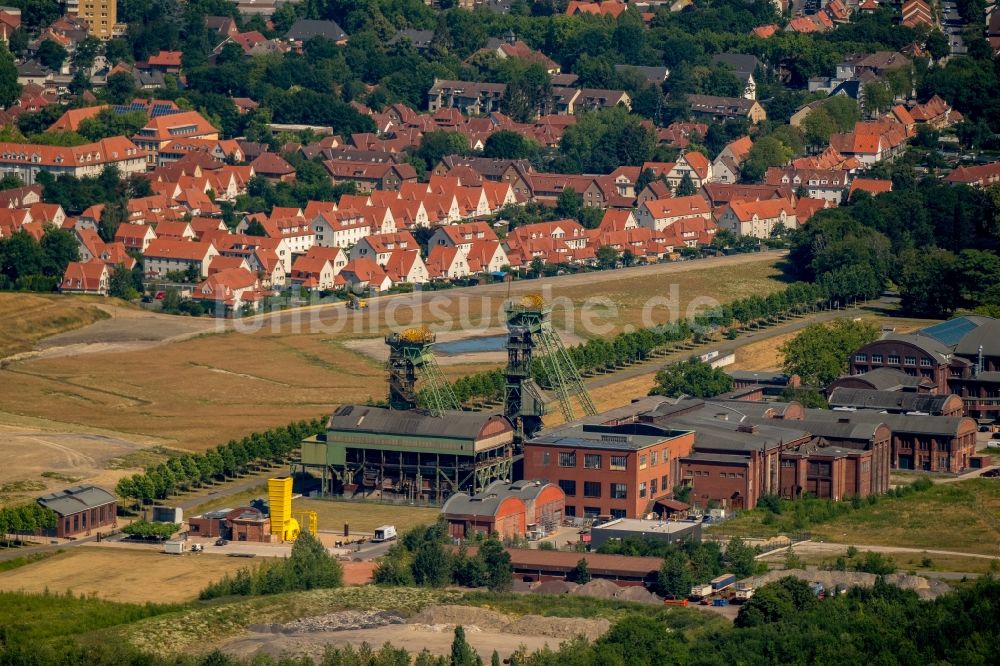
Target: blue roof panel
pixel 951 332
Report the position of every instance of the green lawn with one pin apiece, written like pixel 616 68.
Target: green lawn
pixel 961 516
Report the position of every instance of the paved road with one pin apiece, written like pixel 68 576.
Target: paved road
pixel 522 286
pixel 727 346
pixel 834 547
pixel 225 490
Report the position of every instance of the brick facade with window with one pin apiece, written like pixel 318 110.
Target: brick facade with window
pixel 608 470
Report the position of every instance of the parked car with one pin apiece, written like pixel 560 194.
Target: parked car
pixel 220 542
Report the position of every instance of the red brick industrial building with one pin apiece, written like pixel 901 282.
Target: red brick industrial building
pixel 81 510
pixel 507 509
pixel 960 356
pixel 610 465
pixel 242 524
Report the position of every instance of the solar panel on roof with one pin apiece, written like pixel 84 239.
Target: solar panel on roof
pixel 951 332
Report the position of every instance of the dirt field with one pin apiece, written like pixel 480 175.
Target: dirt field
pixel 40 457
pixel 431 629
pixel 200 391
pixel 27 318
pixel 119 574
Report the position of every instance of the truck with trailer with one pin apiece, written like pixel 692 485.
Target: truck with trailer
pixel 384 533
pixel 700 592
pixel 723 582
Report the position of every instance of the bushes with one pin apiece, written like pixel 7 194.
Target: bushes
pixel 225 461
pixel 310 567
pixel 796 515
pixel 421 558
pixel 146 530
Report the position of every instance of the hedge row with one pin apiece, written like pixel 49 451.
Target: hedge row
pixel 598 354
pixel 226 461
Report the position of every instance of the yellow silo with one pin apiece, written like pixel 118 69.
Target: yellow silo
pixel 279 497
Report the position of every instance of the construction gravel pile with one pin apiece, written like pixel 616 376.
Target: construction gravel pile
pixel 926 589
pixel 599 588
pixel 340 621
pixel 475 619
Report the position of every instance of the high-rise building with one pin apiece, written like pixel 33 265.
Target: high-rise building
pixel 101 15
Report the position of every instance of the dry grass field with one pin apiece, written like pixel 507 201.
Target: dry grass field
pixel 27 318
pixel 119 574
pixel 200 391
pixel 42 456
pixel 962 516
pixel 365 517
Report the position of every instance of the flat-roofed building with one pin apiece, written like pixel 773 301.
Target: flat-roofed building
pixel 608 468
pixel 667 531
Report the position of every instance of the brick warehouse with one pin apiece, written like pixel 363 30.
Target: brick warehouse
pixel 610 467
pixel 507 509
pixel 81 509
pixel 960 356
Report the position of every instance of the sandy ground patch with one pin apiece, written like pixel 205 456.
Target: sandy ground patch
pixel 431 629
pixel 119 574
pixel 64 458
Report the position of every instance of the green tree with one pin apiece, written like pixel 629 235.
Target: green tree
pixel 120 87
pixel 59 247
pixel 741 558
pixel 431 566
pixel 580 574
pixel 498 565
pixel 569 204
pixel 693 378
pixel 674 577
pixel 10 89
pixel 122 285
pixel 844 112
pixel 255 228
pixel 639 640
pixel 927 283
pixel 528 89
pixel 776 602
pixel 506 144
pixel 435 145
pixel 686 187
pixel 51 54
pixel 607 256
pixel 818 127
pixel 766 152
pixel 463 654
pixel 312 566
pixel 876 97
pixel 821 352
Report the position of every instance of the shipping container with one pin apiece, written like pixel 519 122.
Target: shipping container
pixel 384 533
pixel 723 581
pixel 174 547
pixel 744 594
pixel 720 602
